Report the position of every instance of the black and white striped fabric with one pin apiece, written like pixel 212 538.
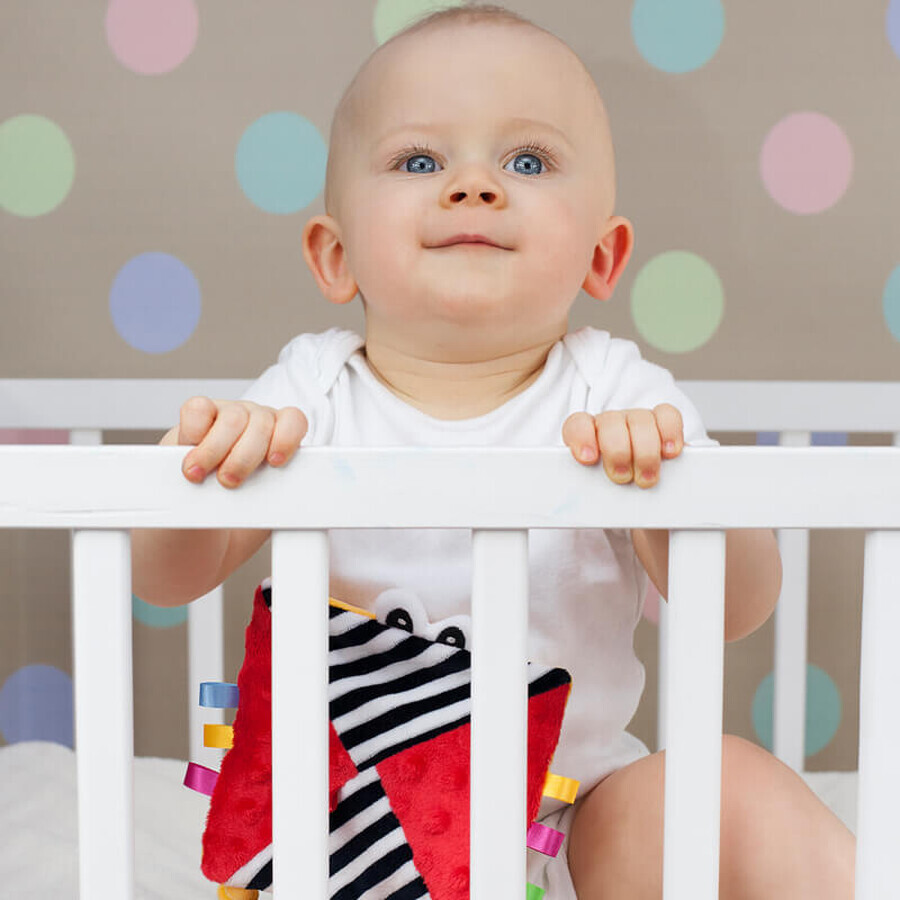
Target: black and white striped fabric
pixel 389 691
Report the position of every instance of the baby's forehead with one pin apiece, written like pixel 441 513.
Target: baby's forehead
pixel 394 65
pixel 543 64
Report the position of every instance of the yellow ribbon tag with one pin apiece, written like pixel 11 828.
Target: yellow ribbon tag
pixel 559 788
pixel 221 736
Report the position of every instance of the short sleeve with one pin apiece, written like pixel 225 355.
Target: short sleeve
pixel 303 376
pixel 620 378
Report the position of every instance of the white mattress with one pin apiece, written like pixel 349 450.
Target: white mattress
pixel 38 824
pixel 38 827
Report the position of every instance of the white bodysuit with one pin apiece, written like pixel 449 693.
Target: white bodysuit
pixel 586 585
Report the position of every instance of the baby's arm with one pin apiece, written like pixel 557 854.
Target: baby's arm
pixel 233 438
pixel 631 444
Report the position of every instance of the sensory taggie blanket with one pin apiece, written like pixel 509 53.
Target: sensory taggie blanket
pixel 399 706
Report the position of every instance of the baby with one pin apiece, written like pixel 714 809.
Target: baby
pixel 470 194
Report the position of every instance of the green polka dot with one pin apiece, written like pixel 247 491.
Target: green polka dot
pixel 677 301
pixel 37 165
pixel 157 616
pixel 823 710
pixel 392 16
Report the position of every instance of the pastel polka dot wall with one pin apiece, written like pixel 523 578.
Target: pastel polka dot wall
pixel 768 225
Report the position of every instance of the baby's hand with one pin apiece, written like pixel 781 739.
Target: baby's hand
pixel 630 443
pixel 235 437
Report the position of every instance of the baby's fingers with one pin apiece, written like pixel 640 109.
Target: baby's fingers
pixel 290 429
pixel 671 429
pixel 230 422
pixel 196 418
pixel 580 436
pixel 615 446
pixel 645 446
pixel 249 448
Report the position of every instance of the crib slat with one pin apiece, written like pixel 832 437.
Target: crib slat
pixel 205 663
pixel 878 832
pixel 791 621
pixel 300 715
pixel 696 627
pixel 104 729
pixel 499 713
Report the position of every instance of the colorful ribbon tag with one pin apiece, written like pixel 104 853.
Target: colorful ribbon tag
pixel 533 892
pixel 559 788
pixel 543 839
pixel 219 736
pixel 200 779
pixel 219 695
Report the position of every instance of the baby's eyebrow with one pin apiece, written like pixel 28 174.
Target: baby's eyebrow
pixel 515 124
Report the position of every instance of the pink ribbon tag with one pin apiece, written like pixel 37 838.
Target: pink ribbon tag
pixel 200 779
pixel 543 839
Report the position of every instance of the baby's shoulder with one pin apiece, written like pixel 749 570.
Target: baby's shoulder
pixel 319 356
pixel 600 357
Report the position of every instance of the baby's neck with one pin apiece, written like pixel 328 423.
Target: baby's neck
pixel 456 390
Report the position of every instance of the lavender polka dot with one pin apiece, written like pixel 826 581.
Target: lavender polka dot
pixel 36 705
pixel 806 163
pixel 155 302
pixel 893 25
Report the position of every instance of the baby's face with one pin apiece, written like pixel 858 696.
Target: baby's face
pixel 494 133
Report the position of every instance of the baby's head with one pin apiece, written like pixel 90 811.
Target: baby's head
pixel 473 121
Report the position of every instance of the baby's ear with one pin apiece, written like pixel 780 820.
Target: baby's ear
pixel 325 256
pixel 611 255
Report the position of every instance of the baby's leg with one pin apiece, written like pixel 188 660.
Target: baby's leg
pixel 777 839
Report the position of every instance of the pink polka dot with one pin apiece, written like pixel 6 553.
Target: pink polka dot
pixel 33 436
pixel 151 36
pixel 806 163
pixel 651 603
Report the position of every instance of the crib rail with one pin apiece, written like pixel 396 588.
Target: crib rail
pixel 102 491
pixel 793 409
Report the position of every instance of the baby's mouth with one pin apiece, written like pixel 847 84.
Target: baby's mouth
pixel 469 241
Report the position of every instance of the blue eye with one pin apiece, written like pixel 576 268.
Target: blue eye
pixel 420 163
pixel 528 164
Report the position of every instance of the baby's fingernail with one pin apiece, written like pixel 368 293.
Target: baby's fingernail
pixel 228 479
pixel 276 459
pixel 195 473
pixel 669 446
pixel 587 454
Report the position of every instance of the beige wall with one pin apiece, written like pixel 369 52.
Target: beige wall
pixel 155 171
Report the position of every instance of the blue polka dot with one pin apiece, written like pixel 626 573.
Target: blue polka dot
pixel 829 439
pixel 891 303
pixel 677 35
pixel 155 302
pixel 823 710
pixel 158 616
pixel 280 162
pixel 893 25
pixel 817 439
pixel 36 705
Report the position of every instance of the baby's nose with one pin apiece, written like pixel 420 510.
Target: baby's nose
pixel 485 196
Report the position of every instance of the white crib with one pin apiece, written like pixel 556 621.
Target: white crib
pixel 100 492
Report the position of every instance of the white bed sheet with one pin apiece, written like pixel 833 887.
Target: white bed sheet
pixel 38 824
pixel 38 827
